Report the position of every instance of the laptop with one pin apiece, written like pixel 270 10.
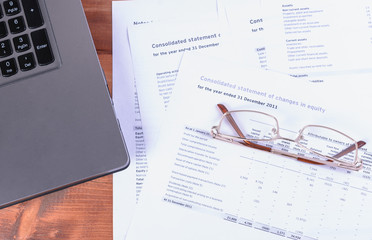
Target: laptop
pixel 57 123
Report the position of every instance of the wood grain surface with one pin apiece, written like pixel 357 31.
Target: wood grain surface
pixel 83 211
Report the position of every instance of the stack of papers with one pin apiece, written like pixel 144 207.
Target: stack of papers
pixel 303 62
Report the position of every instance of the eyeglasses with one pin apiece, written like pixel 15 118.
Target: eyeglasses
pixel 314 144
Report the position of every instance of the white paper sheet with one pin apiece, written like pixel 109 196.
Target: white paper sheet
pixel 128 184
pixel 157 50
pixel 317 38
pixel 125 183
pixel 202 188
pixel 245 27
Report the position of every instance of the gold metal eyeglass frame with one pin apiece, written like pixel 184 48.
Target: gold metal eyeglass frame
pixel 242 140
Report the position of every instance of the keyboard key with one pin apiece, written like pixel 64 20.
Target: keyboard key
pixel 21 43
pixel 5 48
pixel 33 14
pixel 3 30
pixel 11 7
pixel 16 25
pixel 26 62
pixel 1 13
pixel 42 47
pixel 8 67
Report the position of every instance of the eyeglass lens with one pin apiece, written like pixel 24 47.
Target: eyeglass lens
pixel 317 142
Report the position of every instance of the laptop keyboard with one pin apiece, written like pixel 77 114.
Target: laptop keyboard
pixel 26 44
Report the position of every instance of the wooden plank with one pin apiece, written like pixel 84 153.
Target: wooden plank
pixel 98 13
pixel 80 212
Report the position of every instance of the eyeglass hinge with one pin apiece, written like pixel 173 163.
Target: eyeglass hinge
pixel 216 135
pixel 223 138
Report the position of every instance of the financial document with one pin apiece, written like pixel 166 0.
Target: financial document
pixel 245 28
pixel 203 188
pixel 128 184
pixel 157 50
pixel 317 38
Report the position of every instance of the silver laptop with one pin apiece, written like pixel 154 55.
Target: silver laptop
pixel 57 123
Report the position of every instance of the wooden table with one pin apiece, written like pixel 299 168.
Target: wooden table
pixel 82 212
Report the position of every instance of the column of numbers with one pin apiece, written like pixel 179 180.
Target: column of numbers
pixel 369 20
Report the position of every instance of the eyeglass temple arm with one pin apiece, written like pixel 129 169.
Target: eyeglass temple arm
pixel 239 132
pixel 349 149
pixel 250 144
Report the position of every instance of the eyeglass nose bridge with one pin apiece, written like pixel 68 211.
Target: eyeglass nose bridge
pixel 298 137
